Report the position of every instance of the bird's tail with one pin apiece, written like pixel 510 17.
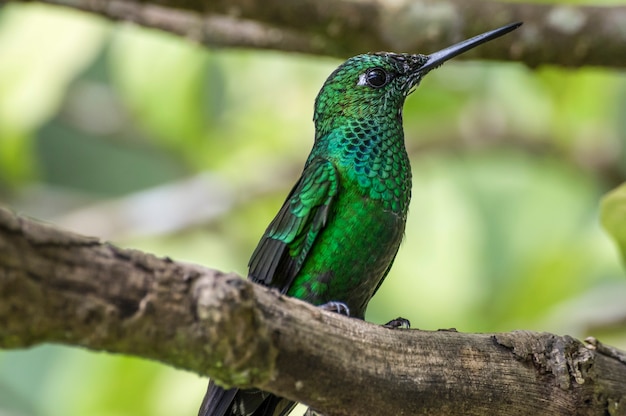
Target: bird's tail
pixel 216 401
pixel 250 402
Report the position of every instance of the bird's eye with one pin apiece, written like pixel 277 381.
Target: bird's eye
pixel 376 78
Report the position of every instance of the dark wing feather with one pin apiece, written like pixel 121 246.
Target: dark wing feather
pixel 251 402
pixel 216 400
pixel 276 261
pixel 283 248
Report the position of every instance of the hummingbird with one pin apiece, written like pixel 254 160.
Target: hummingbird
pixel 336 236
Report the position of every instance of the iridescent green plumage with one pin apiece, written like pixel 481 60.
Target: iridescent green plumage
pixel 337 234
pixel 340 228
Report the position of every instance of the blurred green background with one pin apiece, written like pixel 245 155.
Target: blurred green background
pixel 144 139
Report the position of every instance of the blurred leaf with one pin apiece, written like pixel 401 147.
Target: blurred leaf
pixel 614 216
pixel 16 156
pixel 42 50
pixel 162 81
pixel 582 101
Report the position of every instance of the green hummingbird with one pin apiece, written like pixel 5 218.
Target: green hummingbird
pixel 336 236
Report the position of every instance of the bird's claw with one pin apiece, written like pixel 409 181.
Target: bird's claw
pixel 398 323
pixel 337 307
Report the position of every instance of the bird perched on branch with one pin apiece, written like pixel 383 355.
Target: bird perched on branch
pixel 335 238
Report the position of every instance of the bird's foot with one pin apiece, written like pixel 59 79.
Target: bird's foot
pixel 398 323
pixel 337 307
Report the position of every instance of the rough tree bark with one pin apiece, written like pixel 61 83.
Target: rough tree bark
pixel 60 287
pixel 565 35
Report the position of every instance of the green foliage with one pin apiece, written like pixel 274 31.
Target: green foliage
pixel 58 381
pixel 144 69
pixel 32 85
pixel 614 216
pixel 99 122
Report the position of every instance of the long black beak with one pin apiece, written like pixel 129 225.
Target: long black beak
pixel 438 58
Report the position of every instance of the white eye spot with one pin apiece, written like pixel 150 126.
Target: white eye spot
pixel 362 80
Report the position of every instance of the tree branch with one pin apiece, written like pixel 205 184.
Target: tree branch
pixel 558 34
pixel 60 287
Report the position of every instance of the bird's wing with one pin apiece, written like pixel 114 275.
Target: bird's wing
pixel 283 248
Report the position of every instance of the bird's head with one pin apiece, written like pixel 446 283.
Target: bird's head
pixel 376 84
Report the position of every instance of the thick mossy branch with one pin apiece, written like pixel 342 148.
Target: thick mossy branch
pixel 60 287
pixel 558 34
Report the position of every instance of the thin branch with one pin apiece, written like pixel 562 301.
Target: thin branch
pixel 60 287
pixel 557 34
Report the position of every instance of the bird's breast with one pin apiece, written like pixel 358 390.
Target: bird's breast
pixel 354 251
